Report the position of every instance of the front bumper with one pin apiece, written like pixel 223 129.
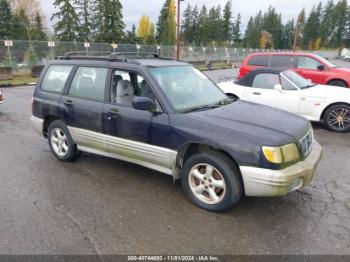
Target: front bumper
pixel 261 182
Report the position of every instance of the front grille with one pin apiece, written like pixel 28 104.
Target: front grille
pixel 306 143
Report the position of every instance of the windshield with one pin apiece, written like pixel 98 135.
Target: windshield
pixel 298 80
pixel 187 88
pixel 326 62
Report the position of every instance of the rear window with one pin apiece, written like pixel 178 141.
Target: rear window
pixel 259 60
pixel 283 60
pixel 55 78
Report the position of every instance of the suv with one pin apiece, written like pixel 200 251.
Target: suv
pixel 168 116
pixel 310 66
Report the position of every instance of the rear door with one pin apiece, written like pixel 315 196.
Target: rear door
pixel 308 68
pixel 84 100
pixel 263 92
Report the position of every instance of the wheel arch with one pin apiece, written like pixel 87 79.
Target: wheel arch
pixel 337 79
pixel 192 148
pixel 329 106
pixel 47 121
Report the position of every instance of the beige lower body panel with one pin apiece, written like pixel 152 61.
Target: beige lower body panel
pixel 154 157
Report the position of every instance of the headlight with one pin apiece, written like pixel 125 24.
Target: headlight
pixel 281 155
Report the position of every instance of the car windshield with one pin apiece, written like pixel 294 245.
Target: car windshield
pixel 188 89
pixel 298 80
pixel 326 62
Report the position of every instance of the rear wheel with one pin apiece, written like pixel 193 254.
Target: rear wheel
pixel 337 118
pixel 338 83
pixel 212 181
pixel 61 142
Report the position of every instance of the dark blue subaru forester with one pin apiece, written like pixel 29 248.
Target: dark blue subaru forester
pixel 168 116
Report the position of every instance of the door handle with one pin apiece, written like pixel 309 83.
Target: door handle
pixel 257 93
pixel 113 113
pixel 68 103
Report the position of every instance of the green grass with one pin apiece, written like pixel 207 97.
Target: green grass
pixel 19 80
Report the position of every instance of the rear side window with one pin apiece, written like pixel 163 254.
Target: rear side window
pixel 55 78
pixel 284 61
pixel 89 83
pixel 266 81
pixel 259 60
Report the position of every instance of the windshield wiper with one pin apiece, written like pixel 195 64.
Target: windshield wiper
pixel 226 101
pixel 201 108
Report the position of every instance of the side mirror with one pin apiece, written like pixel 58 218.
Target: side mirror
pixel 144 104
pixel 321 67
pixel 278 87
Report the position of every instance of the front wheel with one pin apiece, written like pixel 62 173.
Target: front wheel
pixel 212 181
pixel 337 118
pixel 61 142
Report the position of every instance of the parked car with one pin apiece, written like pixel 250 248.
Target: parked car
pixel 285 89
pixel 1 97
pixel 168 116
pixel 311 66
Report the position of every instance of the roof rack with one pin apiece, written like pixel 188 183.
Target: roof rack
pixel 112 57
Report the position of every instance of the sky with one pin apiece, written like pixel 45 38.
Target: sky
pixel 134 9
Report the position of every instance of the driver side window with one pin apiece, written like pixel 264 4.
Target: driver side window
pixel 128 84
pixel 266 81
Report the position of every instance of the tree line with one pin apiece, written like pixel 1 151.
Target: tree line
pixel 325 26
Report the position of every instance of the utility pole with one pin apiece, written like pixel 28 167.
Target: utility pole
pixel 298 30
pixel 178 30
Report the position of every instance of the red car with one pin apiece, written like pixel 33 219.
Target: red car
pixel 310 66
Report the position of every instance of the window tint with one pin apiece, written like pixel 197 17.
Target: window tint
pixel 259 60
pixel 89 83
pixel 307 63
pixel 266 81
pixel 285 61
pixel 55 78
pixel 286 85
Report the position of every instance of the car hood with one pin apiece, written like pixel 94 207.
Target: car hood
pixel 268 125
pixel 328 93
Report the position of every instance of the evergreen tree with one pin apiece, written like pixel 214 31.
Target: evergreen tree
pixel 312 28
pixel 85 14
pixel 109 23
pixel 162 21
pixel 19 22
pixel 5 19
pixel 227 24
pixel 151 38
pixel 272 23
pixel 327 23
pixel 169 35
pixel 202 27
pixel 341 10
pixel 288 35
pixel 66 28
pixel 187 25
pixel 194 34
pixel 236 30
pixel 38 30
pixel 131 37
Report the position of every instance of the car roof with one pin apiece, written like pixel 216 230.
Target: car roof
pixel 282 53
pixel 160 62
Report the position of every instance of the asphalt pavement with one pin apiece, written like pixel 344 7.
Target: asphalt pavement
pixel 101 206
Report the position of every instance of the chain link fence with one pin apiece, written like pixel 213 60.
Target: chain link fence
pixel 23 54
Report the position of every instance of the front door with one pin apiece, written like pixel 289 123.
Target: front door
pixel 135 135
pixel 309 69
pixel 263 92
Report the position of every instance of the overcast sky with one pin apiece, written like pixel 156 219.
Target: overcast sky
pixel 133 9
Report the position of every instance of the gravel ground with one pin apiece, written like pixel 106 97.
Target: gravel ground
pixel 99 205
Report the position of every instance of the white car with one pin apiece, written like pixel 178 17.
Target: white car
pixel 286 90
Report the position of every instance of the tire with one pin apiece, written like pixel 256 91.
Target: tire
pixel 337 118
pixel 61 142
pixel 224 181
pixel 338 83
